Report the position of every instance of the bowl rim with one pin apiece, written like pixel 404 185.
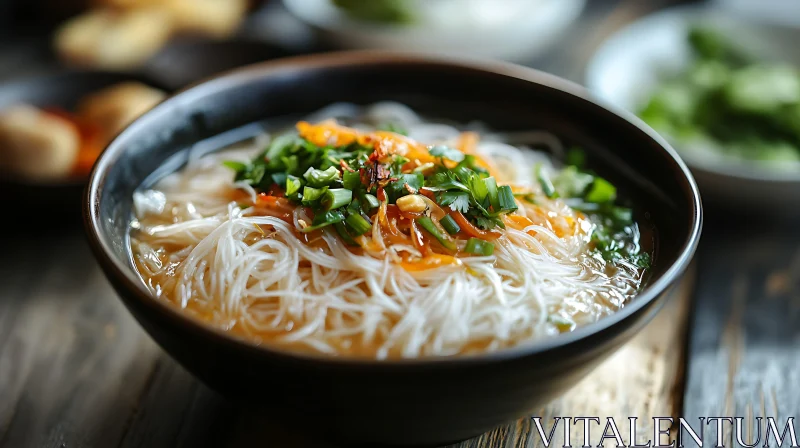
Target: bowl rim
pixel 739 170
pixel 121 273
pixel 339 22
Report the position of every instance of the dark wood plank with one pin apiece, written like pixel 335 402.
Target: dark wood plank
pixel 71 355
pixel 744 350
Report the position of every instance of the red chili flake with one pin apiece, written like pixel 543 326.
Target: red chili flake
pixel 375 175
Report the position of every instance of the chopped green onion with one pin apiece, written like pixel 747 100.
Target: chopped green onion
pixel 450 225
pixel 505 200
pixel 370 202
pixel 335 198
pixel 545 182
pixel 427 224
pixel 354 207
pixel 324 219
pixel 491 188
pixel 311 195
pixel 293 185
pixel 601 191
pixel 477 246
pixel 318 178
pixel 447 153
pixel 357 224
pixel 351 180
pixel 342 231
pixel 236 166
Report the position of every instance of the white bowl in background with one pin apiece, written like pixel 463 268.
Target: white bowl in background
pixel 628 67
pixel 515 31
pixel 785 12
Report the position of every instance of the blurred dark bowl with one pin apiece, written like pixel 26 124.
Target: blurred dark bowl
pixel 63 90
pixel 188 60
pixel 398 402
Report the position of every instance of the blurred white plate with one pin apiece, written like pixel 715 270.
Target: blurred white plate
pixel 628 66
pixel 514 30
pixel 785 12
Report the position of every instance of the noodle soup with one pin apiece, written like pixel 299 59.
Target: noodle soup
pixel 371 232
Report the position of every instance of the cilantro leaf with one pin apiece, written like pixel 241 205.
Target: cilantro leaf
pixel 456 200
pixel 445 181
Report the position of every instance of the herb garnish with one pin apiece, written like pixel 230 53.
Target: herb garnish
pixel 343 185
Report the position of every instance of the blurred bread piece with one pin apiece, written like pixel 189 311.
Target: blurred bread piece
pixel 114 39
pixel 115 107
pixel 37 145
pixel 76 40
pixel 219 18
pixel 135 36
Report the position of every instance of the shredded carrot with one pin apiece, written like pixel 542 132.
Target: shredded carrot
pixel 384 143
pixel 427 193
pixel 468 228
pixel 518 222
pixel 417 239
pixel 327 133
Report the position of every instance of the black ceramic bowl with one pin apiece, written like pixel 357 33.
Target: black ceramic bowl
pixel 186 61
pixel 63 90
pixel 404 402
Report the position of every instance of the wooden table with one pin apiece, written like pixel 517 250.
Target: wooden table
pixel 77 371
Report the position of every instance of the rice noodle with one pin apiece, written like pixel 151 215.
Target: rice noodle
pixel 249 273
